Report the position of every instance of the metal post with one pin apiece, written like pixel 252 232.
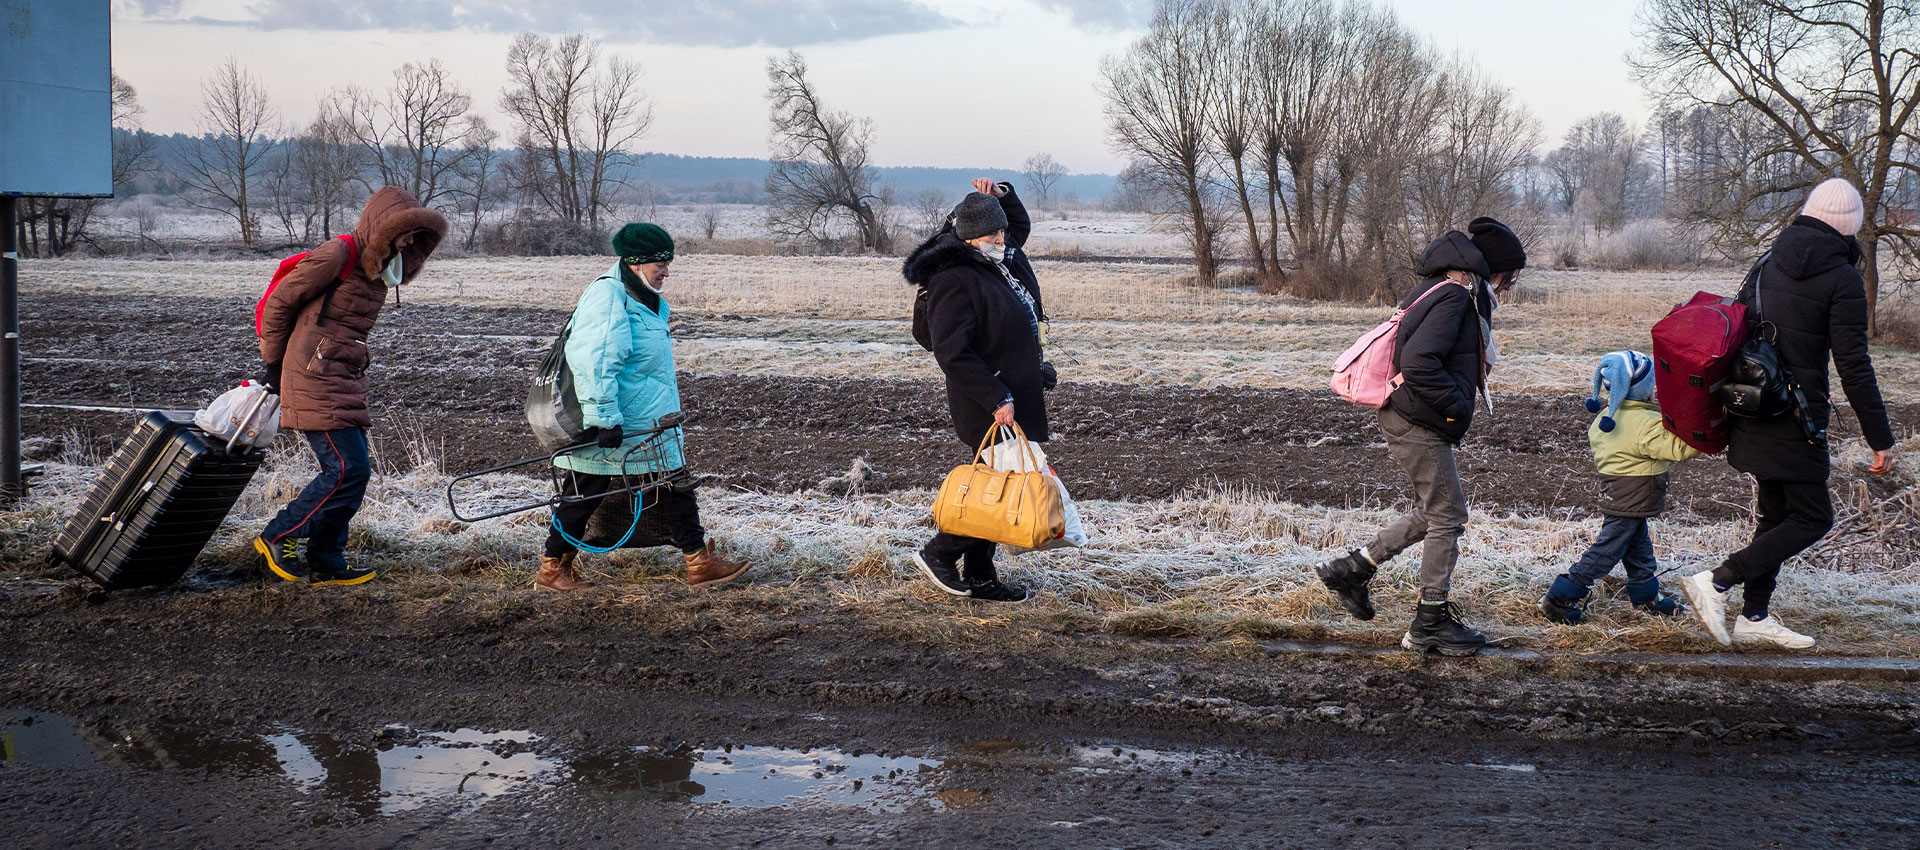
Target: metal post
pixel 11 487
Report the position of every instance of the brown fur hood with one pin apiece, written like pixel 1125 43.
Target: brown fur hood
pixel 390 213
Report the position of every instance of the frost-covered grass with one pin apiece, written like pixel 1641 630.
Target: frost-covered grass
pixel 1207 564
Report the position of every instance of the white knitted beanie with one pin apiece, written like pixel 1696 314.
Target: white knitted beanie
pixel 1835 202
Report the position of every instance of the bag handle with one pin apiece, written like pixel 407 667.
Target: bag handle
pixel 1757 322
pixel 240 428
pixel 989 439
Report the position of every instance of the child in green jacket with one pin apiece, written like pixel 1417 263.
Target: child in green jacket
pixel 1634 453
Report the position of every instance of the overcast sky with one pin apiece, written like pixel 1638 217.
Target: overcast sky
pixel 929 73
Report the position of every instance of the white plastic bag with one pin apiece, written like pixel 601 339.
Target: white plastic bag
pixel 1011 456
pixel 245 416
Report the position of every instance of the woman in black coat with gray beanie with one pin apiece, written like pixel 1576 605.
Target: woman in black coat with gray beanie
pixel 984 329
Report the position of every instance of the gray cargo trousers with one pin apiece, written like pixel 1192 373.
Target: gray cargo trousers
pixel 1439 514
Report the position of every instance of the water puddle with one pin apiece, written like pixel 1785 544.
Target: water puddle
pixel 398 769
pixel 756 777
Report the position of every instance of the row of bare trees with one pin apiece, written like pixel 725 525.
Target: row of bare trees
pixel 1331 124
pixel 576 111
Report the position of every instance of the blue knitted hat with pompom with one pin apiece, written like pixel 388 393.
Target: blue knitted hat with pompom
pixel 1624 376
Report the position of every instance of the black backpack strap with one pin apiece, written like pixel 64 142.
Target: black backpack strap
pixel 1749 293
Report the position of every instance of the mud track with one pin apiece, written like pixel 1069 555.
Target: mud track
pixel 1072 741
pixel 454 379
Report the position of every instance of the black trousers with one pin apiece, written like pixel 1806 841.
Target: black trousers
pixel 678 510
pixel 975 555
pixel 1794 515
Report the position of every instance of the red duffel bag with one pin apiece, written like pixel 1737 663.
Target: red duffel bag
pixel 1693 350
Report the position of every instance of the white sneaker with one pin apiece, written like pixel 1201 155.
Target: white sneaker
pixel 1769 630
pixel 1709 604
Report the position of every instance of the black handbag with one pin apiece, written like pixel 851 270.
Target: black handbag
pixel 1759 385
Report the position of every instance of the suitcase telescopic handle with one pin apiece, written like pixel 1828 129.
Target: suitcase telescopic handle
pixel 240 428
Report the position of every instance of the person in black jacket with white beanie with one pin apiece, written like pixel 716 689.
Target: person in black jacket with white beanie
pixel 1442 350
pixel 984 328
pixel 1809 289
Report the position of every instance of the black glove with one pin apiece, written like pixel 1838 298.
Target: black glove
pixel 269 377
pixel 608 438
pixel 1048 377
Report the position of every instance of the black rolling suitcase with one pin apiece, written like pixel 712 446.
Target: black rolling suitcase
pixel 162 497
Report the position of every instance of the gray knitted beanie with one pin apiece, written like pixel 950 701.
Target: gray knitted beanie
pixel 978 215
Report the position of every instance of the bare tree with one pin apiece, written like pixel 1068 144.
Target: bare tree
pixel 238 122
pixel 1599 172
pixel 819 178
pixel 1233 114
pixel 1157 94
pixel 416 134
pixel 479 178
pixel 1344 127
pixel 1041 173
pixel 578 112
pixel 1408 138
pixel 1312 51
pixel 328 172
pixel 1483 142
pixel 1834 84
pixel 930 208
pixel 709 221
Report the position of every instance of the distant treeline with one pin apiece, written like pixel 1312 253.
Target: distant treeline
pixel 666 178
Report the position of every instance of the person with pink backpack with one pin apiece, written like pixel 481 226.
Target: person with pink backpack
pixel 1442 349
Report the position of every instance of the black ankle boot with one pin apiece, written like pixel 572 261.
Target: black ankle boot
pixel 1437 627
pixel 1347 577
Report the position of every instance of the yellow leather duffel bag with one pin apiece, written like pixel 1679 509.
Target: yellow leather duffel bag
pixel 1015 508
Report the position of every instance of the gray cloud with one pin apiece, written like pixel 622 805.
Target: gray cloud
pixel 1102 14
pixel 714 23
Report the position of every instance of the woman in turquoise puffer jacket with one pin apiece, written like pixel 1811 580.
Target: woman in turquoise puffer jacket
pixel 620 349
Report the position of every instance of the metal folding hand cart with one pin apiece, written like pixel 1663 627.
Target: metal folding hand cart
pixel 659 443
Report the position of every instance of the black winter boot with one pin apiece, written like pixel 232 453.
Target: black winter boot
pixel 1437 627
pixel 1565 602
pixel 1347 576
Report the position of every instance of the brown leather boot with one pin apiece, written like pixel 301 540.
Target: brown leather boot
pixel 705 569
pixel 558 574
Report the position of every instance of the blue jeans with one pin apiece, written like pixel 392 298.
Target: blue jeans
pixel 1623 540
pixel 321 511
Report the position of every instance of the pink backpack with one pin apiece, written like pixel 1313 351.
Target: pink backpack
pixel 1364 373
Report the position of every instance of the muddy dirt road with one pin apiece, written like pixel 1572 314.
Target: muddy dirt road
pixel 455 379
pixel 215 717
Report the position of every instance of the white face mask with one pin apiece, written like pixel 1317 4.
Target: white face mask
pixel 396 271
pixel 995 251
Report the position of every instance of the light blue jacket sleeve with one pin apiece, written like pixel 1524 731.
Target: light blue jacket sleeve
pixel 597 352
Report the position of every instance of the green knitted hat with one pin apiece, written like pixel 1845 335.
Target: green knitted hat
pixel 643 243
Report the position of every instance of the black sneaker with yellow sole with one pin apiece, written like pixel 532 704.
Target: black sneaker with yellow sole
pixel 344 574
pixel 284 558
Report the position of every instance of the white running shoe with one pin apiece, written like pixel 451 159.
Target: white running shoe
pixel 1769 630
pixel 1709 604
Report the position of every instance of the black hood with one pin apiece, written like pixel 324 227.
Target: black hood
pixel 942 251
pixel 1452 251
pixel 1810 247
